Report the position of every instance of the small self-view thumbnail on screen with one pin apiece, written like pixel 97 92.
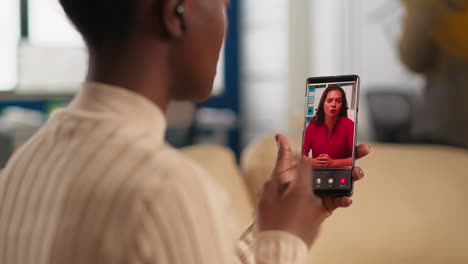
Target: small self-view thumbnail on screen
pixel 329 124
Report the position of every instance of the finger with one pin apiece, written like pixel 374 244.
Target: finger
pixel 362 150
pixel 296 158
pixel 358 174
pixel 284 162
pixel 303 179
pixel 323 157
pixel 285 159
pixel 286 176
pixel 332 203
pixel 344 202
pixel 266 188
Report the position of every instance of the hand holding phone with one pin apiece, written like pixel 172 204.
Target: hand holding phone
pixel 286 202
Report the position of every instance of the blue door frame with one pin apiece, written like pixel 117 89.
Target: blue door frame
pixel 229 99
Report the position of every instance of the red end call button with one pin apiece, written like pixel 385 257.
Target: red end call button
pixel 343 180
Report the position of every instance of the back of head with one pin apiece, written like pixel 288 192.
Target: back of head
pixel 156 47
pixel 101 20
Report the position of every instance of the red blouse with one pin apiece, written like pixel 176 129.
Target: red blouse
pixel 338 146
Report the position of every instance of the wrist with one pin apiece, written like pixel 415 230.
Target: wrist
pixel 280 247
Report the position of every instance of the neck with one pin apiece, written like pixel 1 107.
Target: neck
pixel 331 121
pixel 134 68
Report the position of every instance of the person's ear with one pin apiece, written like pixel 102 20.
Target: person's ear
pixel 174 14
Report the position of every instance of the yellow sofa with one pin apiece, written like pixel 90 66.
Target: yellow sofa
pixel 410 208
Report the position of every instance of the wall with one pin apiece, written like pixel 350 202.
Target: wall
pixel 347 37
pixel 264 69
pixel 9 36
pixel 378 25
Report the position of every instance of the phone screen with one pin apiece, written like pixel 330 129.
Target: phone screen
pixel 329 137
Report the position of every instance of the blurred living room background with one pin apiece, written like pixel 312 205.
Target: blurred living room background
pixel 271 48
pixel 409 208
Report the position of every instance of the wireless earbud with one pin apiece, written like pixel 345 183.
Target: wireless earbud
pixel 179 12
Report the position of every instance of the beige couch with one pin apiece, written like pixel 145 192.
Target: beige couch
pixel 410 208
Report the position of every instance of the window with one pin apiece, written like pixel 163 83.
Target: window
pixel 53 57
pixel 9 32
pixel 49 27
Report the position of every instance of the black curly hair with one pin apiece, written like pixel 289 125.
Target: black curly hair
pixel 101 20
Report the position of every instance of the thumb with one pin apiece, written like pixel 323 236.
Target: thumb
pixel 304 177
pixel 284 161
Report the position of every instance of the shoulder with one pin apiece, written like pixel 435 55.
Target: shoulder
pixel 168 165
pixel 139 159
pixel 175 184
pixel 170 179
pixel 168 193
pixel 154 165
pixel 173 173
pixel 346 121
pixel 313 124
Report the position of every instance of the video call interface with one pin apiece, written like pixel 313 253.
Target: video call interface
pixel 329 124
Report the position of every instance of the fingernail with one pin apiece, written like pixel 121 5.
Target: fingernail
pixel 369 146
pixel 361 173
pixel 277 141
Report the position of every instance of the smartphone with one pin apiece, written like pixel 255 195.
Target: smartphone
pixel 329 135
